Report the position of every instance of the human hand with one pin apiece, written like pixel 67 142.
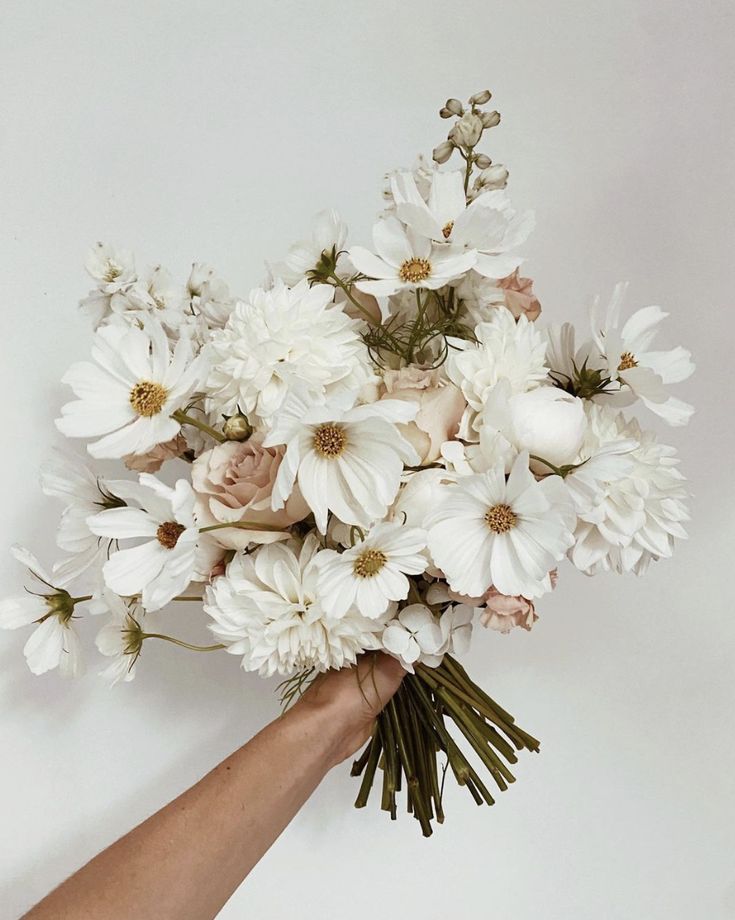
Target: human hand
pixel 351 699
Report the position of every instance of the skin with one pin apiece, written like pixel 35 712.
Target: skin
pixel 186 860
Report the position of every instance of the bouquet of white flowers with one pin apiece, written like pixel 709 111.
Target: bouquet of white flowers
pixel 372 451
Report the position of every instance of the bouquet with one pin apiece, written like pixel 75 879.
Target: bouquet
pixel 375 450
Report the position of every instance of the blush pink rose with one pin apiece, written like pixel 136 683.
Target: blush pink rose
pixel 154 459
pixel 503 612
pixel 440 403
pixel 233 482
pixel 519 296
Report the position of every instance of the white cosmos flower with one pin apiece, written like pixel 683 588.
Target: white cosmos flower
pixel 130 391
pixel 121 638
pixel 488 226
pixel 281 340
pixel 373 572
pixel 168 560
pixel 268 609
pixel 637 513
pixel 329 232
pixel 642 373
pixel 414 636
pixel 506 349
pixel 349 463
pixel 113 269
pixel 54 642
pixel 509 534
pixel 407 260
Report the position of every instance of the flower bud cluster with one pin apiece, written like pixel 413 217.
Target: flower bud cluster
pixel 465 134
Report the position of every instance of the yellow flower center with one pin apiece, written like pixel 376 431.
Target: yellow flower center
pixel 330 440
pixel 414 270
pixel 112 271
pixel 447 229
pixel 369 563
pixel 168 533
pixel 148 397
pixel 627 360
pixel 500 518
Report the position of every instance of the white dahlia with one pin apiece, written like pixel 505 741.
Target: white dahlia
pixel 349 463
pixel 267 608
pixel 282 340
pixel 506 349
pixel 489 531
pixel 131 391
pixel 638 510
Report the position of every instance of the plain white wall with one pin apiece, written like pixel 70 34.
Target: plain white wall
pixel 213 131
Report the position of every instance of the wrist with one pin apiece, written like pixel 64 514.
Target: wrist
pixel 333 727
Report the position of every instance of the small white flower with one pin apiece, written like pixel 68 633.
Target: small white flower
pixel 283 340
pixel 349 463
pixel 157 295
pixel 406 260
pixel 508 534
pixel 456 626
pixel 642 373
pixel 329 232
pixel 373 572
pixel 162 566
pixel 268 609
pixel 113 269
pixel 414 636
pixel 488 226
pixel 130 391
pixel 121 638
pixel 210 298
pixel 54 643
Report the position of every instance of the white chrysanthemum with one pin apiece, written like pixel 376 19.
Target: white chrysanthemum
pixel 488 226
pixel 329 232
pixel 168 560
pixel 637 517
pixel 349 463
pixel 268 609
pixel 282 340
pixel 54 642
pixel 406 260
pixel 121 638
pixel 130 391
pixel 487 531
pixel 642 373
pixel 506 349
pixel 372 573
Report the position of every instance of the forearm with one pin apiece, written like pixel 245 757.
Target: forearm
pixel 185 861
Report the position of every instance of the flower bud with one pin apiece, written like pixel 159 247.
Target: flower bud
pixel 445 112
pixel 495 176
pixel 481 98
pixel 442 153
pixel 237 428
pixel 483 161
pixel 467 131
pixel 548 423
pixel 490 119
pixel 453 106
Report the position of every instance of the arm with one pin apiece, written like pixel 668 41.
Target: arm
pixel 186 860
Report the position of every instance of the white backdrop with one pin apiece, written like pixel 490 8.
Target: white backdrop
pixel 213 131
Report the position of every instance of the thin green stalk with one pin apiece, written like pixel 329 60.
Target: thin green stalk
pixel 183 419
pixel 348 293
pixel 366 785
pixel 242 525
pixel 182 644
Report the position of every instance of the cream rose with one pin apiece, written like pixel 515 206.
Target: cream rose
pixel 440 403
pixel 233 482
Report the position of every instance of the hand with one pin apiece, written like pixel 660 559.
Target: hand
pixel 351 700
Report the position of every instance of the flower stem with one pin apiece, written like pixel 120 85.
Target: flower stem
pixel 243 525
pixel 350 296
pixel 182 644
pixel 183 419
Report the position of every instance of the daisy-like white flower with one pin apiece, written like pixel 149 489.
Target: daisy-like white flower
pixel 488 226
pixel 130 390
pixel 642 373
pixel 329 234
pixel 508 534
pixel 635 516
pixel 414 636
pixel 349 462
pixel 407 260
pixel 268 609
pixel 113 269
pixel 163 565
pixel 282 340
pixel 83 494
pixel 373 572
pixel 121 638
pixel 54 642
pixel 506 349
